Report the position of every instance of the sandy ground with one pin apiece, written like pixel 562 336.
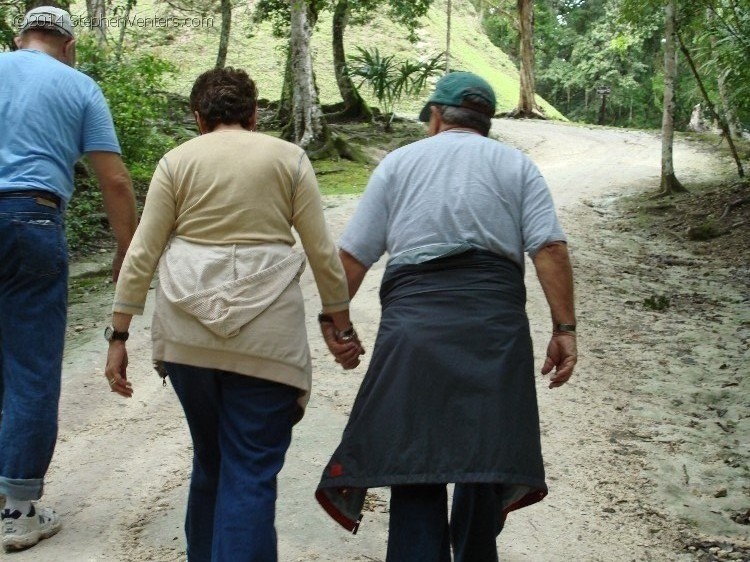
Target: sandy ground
pixel 647 448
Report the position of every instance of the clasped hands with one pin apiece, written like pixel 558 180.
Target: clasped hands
pixel 343 344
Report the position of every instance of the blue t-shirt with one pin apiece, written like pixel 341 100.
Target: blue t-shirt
pixel 50 115
pixel 448 193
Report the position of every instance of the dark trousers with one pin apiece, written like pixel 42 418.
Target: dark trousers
pixel 419 530
pixel 241 428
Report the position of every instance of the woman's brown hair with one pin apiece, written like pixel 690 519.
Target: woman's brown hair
pixel 224 96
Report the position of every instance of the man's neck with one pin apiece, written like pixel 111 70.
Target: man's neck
pixel 444 128
pixel 41 46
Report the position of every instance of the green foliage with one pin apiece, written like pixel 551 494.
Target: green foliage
pixel 342 177
pixel 85 220
pixel 581 45
pixel 717 34
pixel 390 79
pixel 407 13
pixel 347 177
pixel 707 230
pixel 503 33
pixel 9 12
pixel 609 52
pixel 658 303
pixel 403 12
pixel 135 91
pixel 274 11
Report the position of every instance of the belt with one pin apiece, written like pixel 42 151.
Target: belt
pixel 47 197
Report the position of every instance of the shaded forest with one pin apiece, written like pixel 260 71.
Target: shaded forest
pixel 674 65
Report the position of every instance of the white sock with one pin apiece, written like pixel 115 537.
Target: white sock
pixel 12 504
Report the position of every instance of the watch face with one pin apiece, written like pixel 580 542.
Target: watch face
pixel 110 334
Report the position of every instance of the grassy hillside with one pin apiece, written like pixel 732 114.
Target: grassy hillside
pixel 253 48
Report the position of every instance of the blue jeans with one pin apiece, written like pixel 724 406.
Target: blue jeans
pixel 419 530
pixel 33 308
pixel 241 428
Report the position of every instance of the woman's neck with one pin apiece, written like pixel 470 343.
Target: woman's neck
pixel 231 127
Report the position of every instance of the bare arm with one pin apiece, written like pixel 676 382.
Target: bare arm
pixel 346 353
pixel 117 358
pixel 555 274
pixel 355 271
pixel 119 201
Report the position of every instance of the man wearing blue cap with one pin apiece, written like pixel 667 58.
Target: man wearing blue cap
pixel 51 114
pixel 449 395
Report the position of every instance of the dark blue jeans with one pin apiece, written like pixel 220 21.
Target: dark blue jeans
pixel 419 530
pixel 241 428
pixel 33 308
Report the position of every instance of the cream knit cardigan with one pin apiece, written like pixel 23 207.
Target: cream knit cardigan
pixel 218 221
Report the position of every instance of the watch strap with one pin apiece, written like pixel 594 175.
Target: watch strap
pixel 110 334
pixel 325 318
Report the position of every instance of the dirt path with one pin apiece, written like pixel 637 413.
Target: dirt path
pixel 653 427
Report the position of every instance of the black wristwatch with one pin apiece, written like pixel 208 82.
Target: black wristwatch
pixel 110 334
pixel 325 318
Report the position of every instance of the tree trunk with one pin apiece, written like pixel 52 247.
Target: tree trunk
pixel 669 182
pixel 284 113
pixel 226 24
pixel 527 106
pixel 354 106
pixel 121 39
pixel 97 11
pixel 448 38
pixel 310 129
pixel 603 110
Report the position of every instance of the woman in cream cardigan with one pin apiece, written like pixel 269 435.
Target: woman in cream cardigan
pixel 229 324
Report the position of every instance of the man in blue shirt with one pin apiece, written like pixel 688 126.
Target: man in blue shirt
pixel 50 115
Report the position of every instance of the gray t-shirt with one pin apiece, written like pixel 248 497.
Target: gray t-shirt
pixel 450 192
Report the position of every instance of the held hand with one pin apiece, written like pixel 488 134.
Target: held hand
pixel 562 355
pixel 116 369
pixel 349 351
pixel 346 352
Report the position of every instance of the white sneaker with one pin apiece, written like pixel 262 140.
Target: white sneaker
pixel 24 531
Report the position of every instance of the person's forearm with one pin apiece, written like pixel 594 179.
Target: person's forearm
pixel 117 193
pixel 121 321
pixel 340 319
pixel 555 274
pixel 355 272
pixel 119 204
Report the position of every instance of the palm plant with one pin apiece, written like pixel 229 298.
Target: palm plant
pixel 389 79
